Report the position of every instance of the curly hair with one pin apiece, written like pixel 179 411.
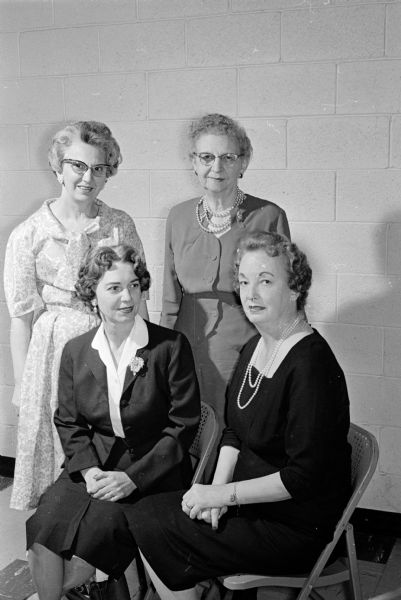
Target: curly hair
pixel 99 260
pixel 93 133
pixel 274 244
pixel 220 125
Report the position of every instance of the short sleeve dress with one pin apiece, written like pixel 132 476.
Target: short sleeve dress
pixel 41 268
pixel 198 296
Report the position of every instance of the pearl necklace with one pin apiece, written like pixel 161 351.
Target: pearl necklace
pixel 203 210
pixel 265 371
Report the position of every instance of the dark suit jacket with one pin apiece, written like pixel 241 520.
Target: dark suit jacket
pixel 160 410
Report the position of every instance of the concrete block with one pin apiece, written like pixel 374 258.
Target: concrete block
pixel 383 493
pixel 271 90
pixel 369 300
pixel 6 366
pixel 107 98
pixel 338 142
pixel 268 137
pixel 168 188
pixel 31 101
pixel 321 305
pixel 152 144
pixel 333 33
pixel 160 9
pixel 342 247
pixel 82 12
pixel 22 192
pixel 234 40
pixel 142 46
pixel 392 352
pixel 39 138
pixel 393 27
pixel 8 412
pixel 15 16
pixel 358 349
pixel 304 195
pixel 252 5
pixel 369 195
pixel 59 51
pixel 174 94
pixel 369 87
pixel 390 450
pixel 13 147
pixel 8 440
pixel 395 137
pixel 4 324
pixel 9 62
pixel 129 191
pixel 374 400
pixel 152 232
pixel 157 284
pixel 394 248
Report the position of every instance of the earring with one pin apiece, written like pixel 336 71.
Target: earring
pixel 94 306
pixel 241 175
pixel 60 178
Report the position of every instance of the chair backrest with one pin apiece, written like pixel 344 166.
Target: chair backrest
pixel 204 441
pixel 365 453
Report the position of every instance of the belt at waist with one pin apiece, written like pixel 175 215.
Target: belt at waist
pixel 227 297
pixel 61 306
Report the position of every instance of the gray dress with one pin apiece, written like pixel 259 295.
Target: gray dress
pixel 198 296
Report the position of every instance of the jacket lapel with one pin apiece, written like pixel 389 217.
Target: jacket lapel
pixel 129 375
pixel 98 369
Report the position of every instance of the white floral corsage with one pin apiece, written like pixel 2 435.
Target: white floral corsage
pixel 136 364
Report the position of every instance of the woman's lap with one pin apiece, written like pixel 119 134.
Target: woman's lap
pixel 69 522
pixel 183 551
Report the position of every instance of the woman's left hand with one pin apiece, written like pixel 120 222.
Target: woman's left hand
pixel 200 497
pixel 114 485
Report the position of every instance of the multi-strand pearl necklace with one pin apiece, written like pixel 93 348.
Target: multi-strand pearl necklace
pixel 204 214
pixel 265 371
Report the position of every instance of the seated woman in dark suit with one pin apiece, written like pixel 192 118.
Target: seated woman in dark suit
pixel 283 475
pixel 128 412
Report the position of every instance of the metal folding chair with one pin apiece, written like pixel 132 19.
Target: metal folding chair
pixel 365 454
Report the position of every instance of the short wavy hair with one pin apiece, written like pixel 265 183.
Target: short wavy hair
pixel 99 260
pixel 93 133
pixel 216 123
pixel 274 244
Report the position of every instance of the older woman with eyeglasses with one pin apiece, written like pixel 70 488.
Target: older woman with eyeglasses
pixel 42 261
pixel 201 237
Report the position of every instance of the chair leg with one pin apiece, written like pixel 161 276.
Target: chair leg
pixel 353 563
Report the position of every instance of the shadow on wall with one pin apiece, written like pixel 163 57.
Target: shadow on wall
pixel 375 299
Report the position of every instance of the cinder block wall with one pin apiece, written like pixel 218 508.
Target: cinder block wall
pixel 317 84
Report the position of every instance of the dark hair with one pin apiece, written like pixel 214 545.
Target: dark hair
pixel 99 260
pixel 221 125
pixel 94 133
pixel 274 244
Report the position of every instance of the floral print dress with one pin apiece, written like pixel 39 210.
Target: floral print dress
pixel 41 268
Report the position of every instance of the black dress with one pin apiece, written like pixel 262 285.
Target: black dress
pixel 297 425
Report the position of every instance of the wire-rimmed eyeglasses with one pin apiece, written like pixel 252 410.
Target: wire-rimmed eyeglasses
pixel 79 167
pixel 207 158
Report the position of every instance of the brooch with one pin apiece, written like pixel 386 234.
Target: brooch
pixel 240 217
pixel 136 364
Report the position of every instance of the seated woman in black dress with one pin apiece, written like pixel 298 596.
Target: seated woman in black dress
pixel 128 412
pixel 283 473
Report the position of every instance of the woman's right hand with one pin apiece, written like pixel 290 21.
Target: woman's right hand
pixel 212 515
pixel 92 485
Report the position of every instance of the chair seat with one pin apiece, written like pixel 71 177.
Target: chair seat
pixel 337 572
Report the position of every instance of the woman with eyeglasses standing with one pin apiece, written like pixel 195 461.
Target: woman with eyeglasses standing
pixel 201 237
pixel 41 267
